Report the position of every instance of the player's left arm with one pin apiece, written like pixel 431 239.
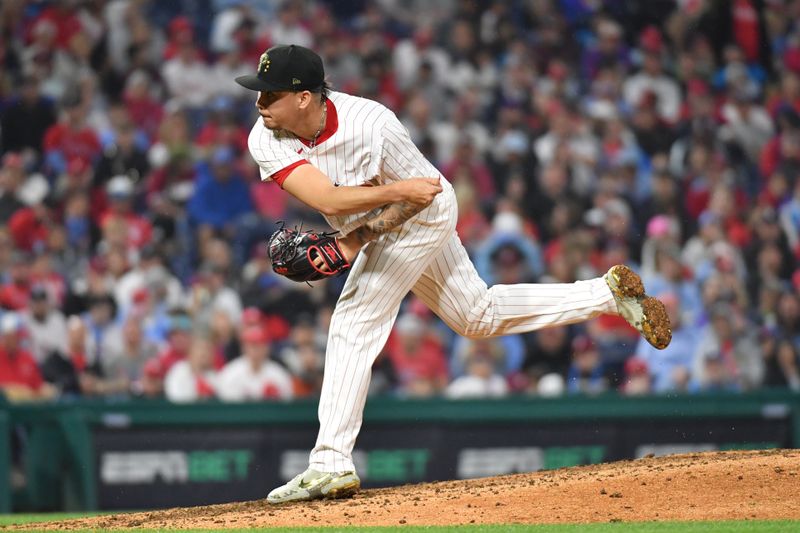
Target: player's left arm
pixel 393 216
pixel 315 189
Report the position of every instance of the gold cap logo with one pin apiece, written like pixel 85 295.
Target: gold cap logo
pixel 263 63
pixel 295 81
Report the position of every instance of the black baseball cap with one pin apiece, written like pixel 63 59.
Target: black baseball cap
pixel 287 68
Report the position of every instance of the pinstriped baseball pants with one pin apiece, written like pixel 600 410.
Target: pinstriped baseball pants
pixel 425 256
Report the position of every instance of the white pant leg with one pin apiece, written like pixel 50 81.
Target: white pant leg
pixel 380 278
pixel 452 289
pixel 426 256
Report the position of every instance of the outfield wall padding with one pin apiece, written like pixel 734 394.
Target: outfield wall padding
pixel 107 455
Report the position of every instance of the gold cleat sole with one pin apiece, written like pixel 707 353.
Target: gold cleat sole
pixel 627 283
pixel 628 289
pixel 345 491
pixel 656 325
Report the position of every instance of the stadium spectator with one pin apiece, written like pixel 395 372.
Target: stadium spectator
pixel 15 290
pixel 149 275
pixel 508 255
pixel 727 355
pixel 467 165
pixel 550 189
pixel 304 357
pixel 43 273
pixel 71 137
pixel 253 376
pixel 419 363
pixel 225 91
pixel 125 364
pixel 29 116
pixel 45 324
pixel 215 180
pixel 483 378
pixel 788 96
pixel 121 219
pixel 548 351
pixel 77 179
pixel 410 54
pixel 672 276
pixel 122 155
pixel 289 26
pixel 781 361
pixel 179 337
pixel 64 369
pixel 145 111
pixel 569 141
pixel 101 328
pixel 224 335
pixel 221 129
pixel 236 28
pixel 193 378
pixel 661 231
pixel 209 294
pixel 746 123
pixel 185 75
pixel 651 85
pixel 152 383
pixel 30 226
pixel 586 374
pixel 79 229
pixel 637 381
pixel 20 378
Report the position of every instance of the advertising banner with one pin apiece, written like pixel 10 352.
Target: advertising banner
pixel 156 467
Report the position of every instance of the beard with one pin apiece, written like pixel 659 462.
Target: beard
pixel 267 125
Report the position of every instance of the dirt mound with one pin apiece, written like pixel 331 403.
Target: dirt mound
pixel 700 486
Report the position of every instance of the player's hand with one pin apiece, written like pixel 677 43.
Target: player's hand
pixel 295 255
pixel 420 191
pixel 350 246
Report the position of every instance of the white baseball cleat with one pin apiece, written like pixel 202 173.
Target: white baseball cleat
pixel 645 313
pixel 314 485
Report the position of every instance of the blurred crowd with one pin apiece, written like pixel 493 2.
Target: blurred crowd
pixel 578 134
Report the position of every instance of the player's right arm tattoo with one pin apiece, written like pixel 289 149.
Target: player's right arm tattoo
pixel 390 218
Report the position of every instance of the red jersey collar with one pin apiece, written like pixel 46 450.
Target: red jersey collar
pixel 331 125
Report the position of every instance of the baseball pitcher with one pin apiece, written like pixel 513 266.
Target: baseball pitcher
pixel 352 160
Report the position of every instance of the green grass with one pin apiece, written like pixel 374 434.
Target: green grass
pixel 11 519
pixel 760 526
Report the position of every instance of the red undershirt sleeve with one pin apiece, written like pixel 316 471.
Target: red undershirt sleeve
pixel 279 176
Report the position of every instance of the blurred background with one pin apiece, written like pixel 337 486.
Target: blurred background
pixel 578 134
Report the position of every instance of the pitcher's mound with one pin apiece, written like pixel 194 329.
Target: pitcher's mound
pixel 701 486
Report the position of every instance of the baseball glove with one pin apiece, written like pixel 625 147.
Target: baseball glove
pixel 305 255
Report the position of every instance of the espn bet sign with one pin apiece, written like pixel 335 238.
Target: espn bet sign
pixel 175 466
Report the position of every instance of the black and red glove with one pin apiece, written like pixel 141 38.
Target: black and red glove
pixel 306 255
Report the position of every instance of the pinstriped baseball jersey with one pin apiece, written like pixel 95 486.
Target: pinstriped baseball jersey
pixel 363 143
